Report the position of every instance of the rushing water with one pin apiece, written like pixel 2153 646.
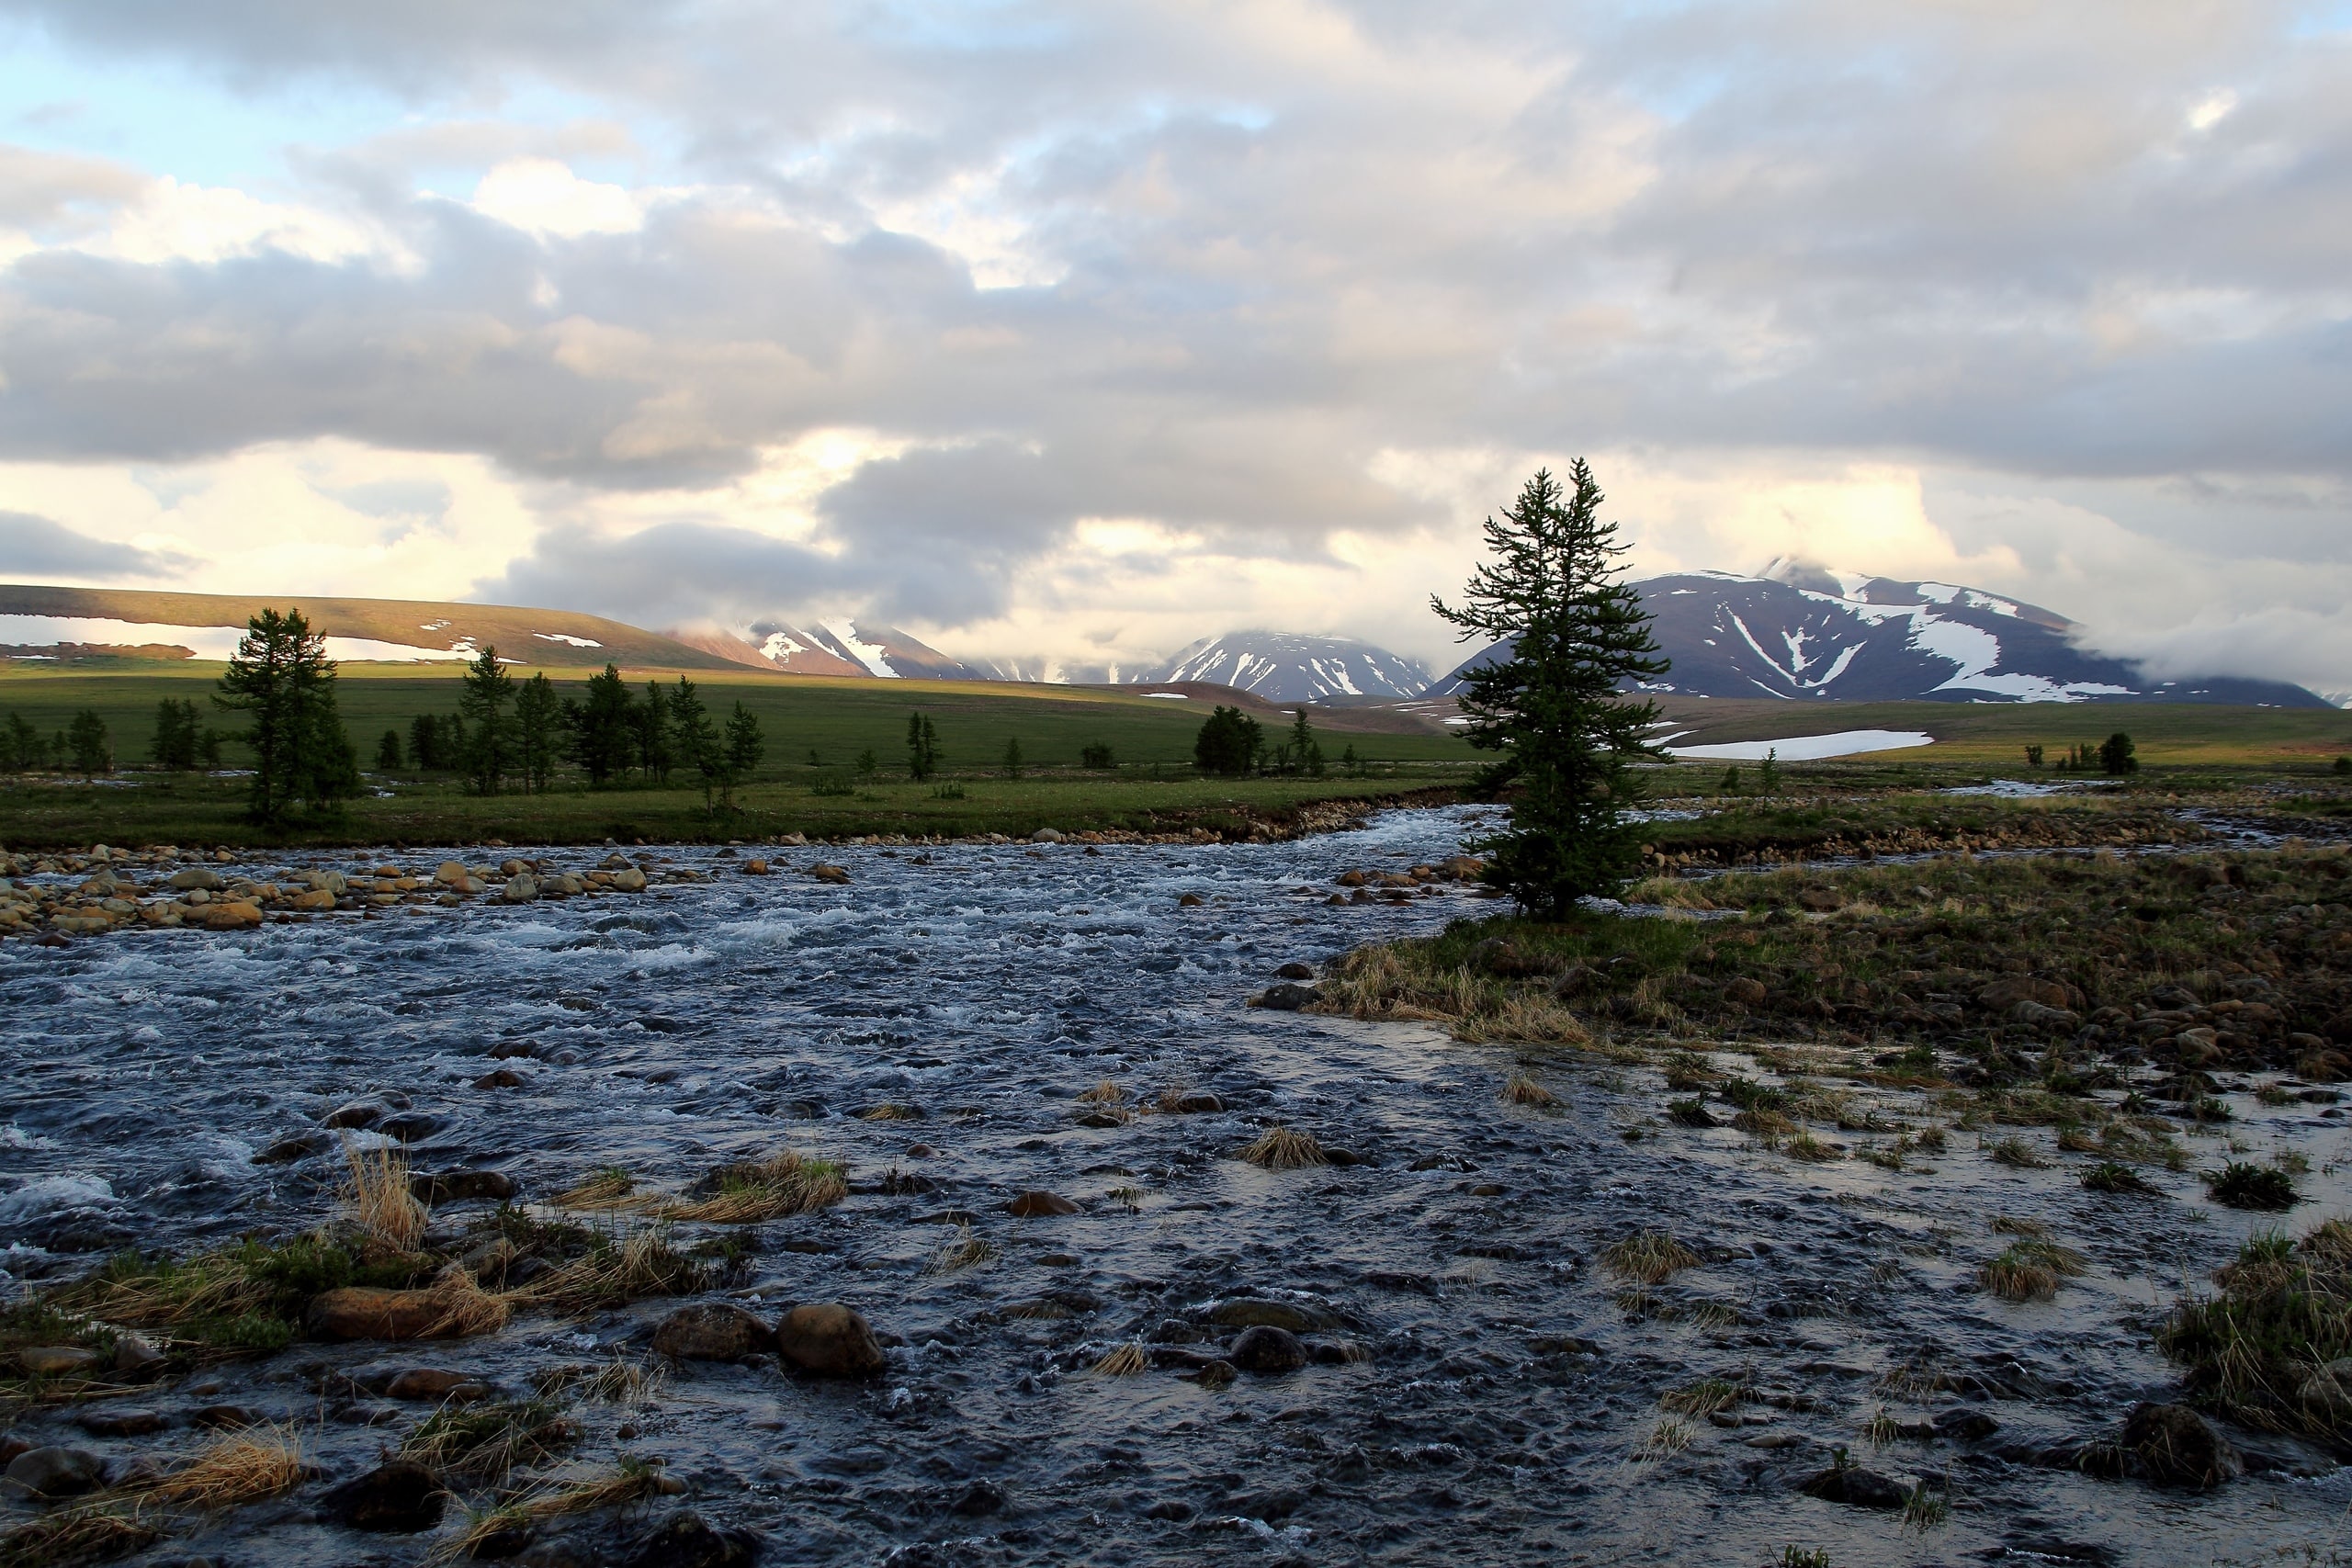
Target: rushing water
pixel 1508 1391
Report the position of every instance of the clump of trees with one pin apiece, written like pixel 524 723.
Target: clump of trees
pixel 1096 757
pixel 22 745
pixel 181 743
pixel 281 677
pixel 2117 754
pixel 1576 632
pixel 1230 742
pixel 89 744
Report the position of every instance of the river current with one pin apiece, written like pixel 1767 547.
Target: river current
pixel 1498 1402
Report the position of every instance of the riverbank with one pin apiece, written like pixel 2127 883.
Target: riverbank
pixel 1130 805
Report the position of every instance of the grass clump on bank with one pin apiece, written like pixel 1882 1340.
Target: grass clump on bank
pixel 1647 1258
pixel 2273 1348
pixel 2241 1185
pixel 242 1300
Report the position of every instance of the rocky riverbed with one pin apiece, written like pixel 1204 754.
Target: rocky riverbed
pixel 903 1215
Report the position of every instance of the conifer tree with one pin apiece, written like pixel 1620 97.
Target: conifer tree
pixel 1572 634
pixel 602 730
pixel 923 747
pixel 743 747
pixel 481 707
pixel 654 756
pixel 175 741
pixel 388 753
pixel 283 678
pixel 538 731
pixel 87 742
pixel 695 738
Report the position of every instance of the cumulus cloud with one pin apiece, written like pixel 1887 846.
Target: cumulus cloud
pixel 2046 298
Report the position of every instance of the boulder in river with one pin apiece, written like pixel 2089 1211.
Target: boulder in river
pixel 1295 971
pixel 196 877
pixel 1267 1352
pixel 1286 997
pixel 2179 1447
pixel 399 1498
pixel 1856 1487
pixel 520 888
pixel 54 1473
pixel 830 1340
pixel 435 1386
pixel 712 1331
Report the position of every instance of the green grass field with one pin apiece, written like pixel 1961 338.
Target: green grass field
pixel 836 717
pixel 2167 734
pixel 1154 788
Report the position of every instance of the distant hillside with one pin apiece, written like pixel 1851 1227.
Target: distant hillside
pixel 1802 632
pixel 1283 667
pixel 208 626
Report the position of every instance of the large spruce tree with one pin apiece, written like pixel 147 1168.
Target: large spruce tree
pixel 1572 634
pixel 489 731
pixel 282 677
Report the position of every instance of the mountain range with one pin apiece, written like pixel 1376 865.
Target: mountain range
pixel 1799 632
pixel 1802 632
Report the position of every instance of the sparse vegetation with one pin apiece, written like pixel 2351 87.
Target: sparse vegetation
pixel 747 1192
pixel 964 1249
pixel 2241 1185
pixel 1647 1258
pixel 2264 1349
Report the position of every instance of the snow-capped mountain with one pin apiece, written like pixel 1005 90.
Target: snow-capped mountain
pixel 832 648
pixel 1284 668
pixel 1803 631
pixel 1053 672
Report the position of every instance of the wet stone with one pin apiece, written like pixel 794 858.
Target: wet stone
pixel 1266 1351
pixel 2179 1447
pixel 434 1384
pixel 1856 1487
pixel 53 1472
pixel 399 1498
pixel 58 1360
pixel 116 1422
pixel 712 1331
pixel 1036 1205
pixel 686 1540
pixel 829 1339
pixel 463 1187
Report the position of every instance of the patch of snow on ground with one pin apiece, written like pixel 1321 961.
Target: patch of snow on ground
pixel 1808 748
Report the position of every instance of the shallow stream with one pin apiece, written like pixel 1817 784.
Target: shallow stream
pixel 1506 1407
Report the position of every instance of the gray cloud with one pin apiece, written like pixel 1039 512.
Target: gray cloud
pixel 36 547
pixel 1280 242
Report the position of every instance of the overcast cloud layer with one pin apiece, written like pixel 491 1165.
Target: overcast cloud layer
pixel 1083 331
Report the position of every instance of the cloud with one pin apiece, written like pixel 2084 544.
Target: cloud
pixel 1295 291
pixel 35 548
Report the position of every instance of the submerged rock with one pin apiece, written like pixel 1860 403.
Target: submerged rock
pixel 830 1340
pixel 1286 997
pixel 399 1498
pixel 1267 1352
pixel 436 1384
pixel 462 1186
pixel 686 1540
pixel 1034 1205
pixel 2179 1447
pixel 712 1331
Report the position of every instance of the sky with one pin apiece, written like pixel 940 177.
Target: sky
pixel 1078 331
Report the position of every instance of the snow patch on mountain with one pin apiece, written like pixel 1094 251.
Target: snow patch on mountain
pixel 1286 667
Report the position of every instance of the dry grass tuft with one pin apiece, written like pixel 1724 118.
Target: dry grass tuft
pixel 609 1188
pixel 486 1440
pixel 1667 1438
pixel 1105 1093
pixel 377 1198
pixel 1812 1150
pixel 787 1183
pixel 1521 1089
pixel 258 1462
pixel 1124 1361
pixel 1704 1397
pixel 89 1533
pixel 2015 1151
pixel 2264 1351
pixel 2031 1271
pixel 1650 1257
pixel 630 1481
pixel 890 1113
pixel 1285 1149
pixel 618 1382
pixel 615 1273
pixel 963 1250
